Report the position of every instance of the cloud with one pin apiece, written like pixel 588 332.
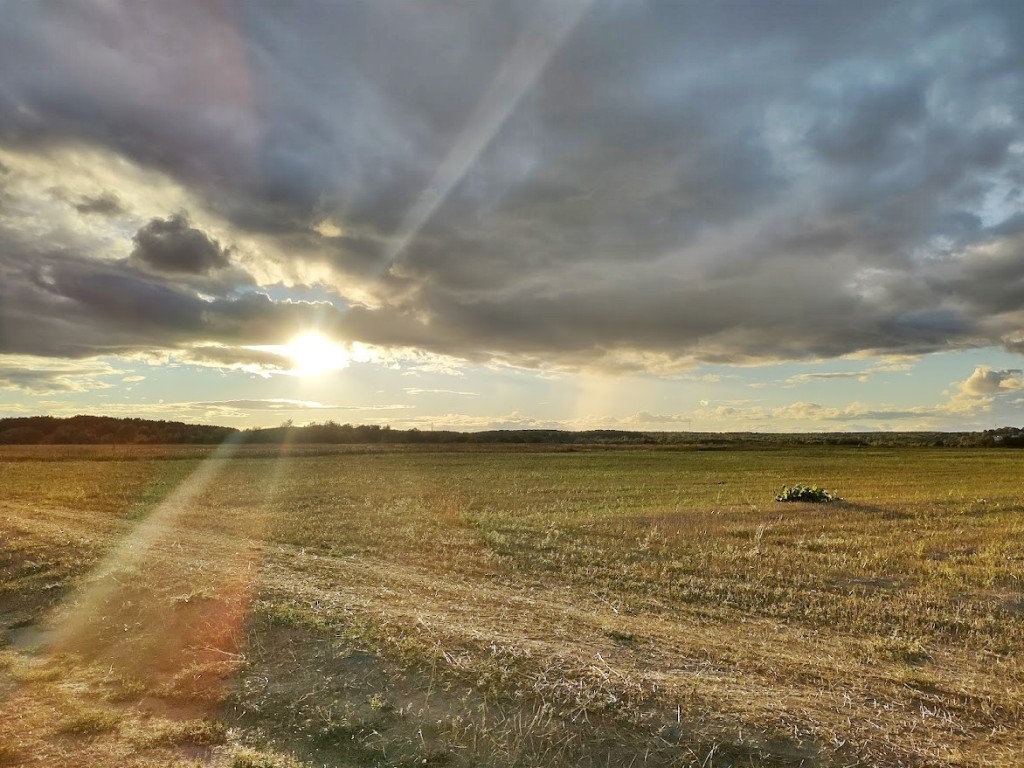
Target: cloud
pixel 60 305
pixel 640 198
pixel 705 378
pixel 985 381
pixel 736 416
pixel 173 245
pixel 418 391
pixel 873 122
pixel 812 412
pixel 42 376
pixel 236 358
pixel 863 376
pixel 803 378
pixel 104 204
pixel 285 404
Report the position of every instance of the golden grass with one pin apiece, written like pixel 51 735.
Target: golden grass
pixel 467 607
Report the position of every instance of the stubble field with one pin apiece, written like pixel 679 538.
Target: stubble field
pixel 257 608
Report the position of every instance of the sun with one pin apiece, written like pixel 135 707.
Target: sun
pixel 313 354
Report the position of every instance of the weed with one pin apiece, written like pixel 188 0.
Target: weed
pixel 807 493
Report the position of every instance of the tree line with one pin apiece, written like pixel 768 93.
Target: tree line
pixel 107 430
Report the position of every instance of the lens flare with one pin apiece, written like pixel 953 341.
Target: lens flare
pixel 168 605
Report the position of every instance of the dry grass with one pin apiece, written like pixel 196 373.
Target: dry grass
pixel 633 607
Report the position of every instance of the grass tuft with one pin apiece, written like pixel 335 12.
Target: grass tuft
pixel 89 722
pixel 199 732
pixel 245 757
pixel 807 493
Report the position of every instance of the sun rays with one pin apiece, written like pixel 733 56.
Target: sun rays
pixel 521 68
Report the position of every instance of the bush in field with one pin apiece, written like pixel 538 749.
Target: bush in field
pixel 810 493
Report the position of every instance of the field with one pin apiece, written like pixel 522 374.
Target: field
pixel 261 608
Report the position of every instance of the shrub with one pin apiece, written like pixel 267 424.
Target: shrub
pixel 810 493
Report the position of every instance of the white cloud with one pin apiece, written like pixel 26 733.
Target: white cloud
pixel 985 381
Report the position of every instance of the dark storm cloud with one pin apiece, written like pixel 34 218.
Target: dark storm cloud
pixel 172 245
pixel 729 181
pixel 672 318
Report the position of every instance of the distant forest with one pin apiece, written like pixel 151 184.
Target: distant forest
pixel 106 430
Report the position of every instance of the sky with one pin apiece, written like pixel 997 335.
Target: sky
pixel 476 214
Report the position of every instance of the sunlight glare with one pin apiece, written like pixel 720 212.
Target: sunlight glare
pixel 314 354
